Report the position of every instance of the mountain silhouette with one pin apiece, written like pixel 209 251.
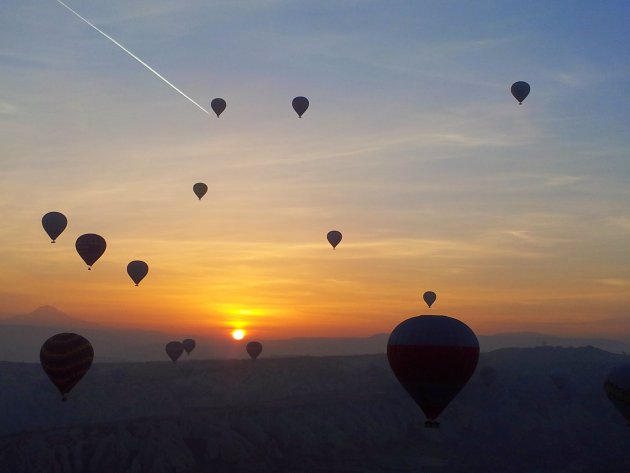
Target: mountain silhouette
pixel 48 316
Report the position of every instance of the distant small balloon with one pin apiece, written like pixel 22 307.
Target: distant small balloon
pixel 520 91
pixel 429 297
pixel 254 349
pixel 174 350
pixel 218 105
pixel 189 345
pixel 617 388
pixel 200 189
pixel 334 238
pixel 90 247
pixel 137 270
pixel 300 105
pixel 65 358
pixel 54 224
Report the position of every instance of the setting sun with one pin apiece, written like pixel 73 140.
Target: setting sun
pixel 238 334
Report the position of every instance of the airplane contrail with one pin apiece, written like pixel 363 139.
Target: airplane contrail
pixel 136 58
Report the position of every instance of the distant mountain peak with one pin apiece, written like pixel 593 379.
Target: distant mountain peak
pixel 46 315
pixel 48 310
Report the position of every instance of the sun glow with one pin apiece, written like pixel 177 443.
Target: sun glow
pixel 238 334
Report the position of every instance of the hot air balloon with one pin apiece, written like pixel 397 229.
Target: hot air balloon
pixel 433 357
pixel 54 224
pixel 300 105
pixel 617 387
pixel 218 105
pixel 488 375
pixel 174 350
pixel 429 297
pixel 254 349
pixel 90 247
pixel 65 358
pixel 334 237
pixel 137 270
pixel 189 345
pixel 200 189
pixel 520 91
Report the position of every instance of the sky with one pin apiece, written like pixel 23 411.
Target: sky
pixel 518 217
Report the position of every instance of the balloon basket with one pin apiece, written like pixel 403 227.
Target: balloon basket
pixel 431 424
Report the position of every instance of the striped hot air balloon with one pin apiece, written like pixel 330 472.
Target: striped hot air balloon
pixel 65 358
pixel 433 357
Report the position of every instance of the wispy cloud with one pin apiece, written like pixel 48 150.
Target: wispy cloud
pixel 7 108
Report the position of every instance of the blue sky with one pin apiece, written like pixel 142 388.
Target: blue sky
pixel 413 147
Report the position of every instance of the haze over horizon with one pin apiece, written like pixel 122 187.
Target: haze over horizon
pixel 516 216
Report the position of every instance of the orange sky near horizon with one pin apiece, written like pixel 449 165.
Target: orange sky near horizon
pixel 517 216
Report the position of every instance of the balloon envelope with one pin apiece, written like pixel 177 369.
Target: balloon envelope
pixel 137 270
pixel 334 238
pixel 429 297
pixel 433 357
pixel 218 105
pixel 520 91
pixel 174 350
pixel 90 247
pixel 254 349
pixel 189 345
pixel 300 105
pixel 200 189
pixel 65 358
pixel 617 388
pixel 54 224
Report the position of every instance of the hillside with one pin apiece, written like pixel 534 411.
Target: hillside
pixel 312 415
pixel 22 336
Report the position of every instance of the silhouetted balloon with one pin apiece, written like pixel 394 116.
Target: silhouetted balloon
pixel 200 189
pixel 433 357
pixel 488 375
pixel 90 247
pixel 189 345
pixel 54 224
pixel 520 91
pixel 617 387
pixel 300 105
pixel 174 350
pixel 65 358
pixel 218 105
pixel 334 237
pixel 560 379
pixel 429 297
pixel 254 349
pixel 137 270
